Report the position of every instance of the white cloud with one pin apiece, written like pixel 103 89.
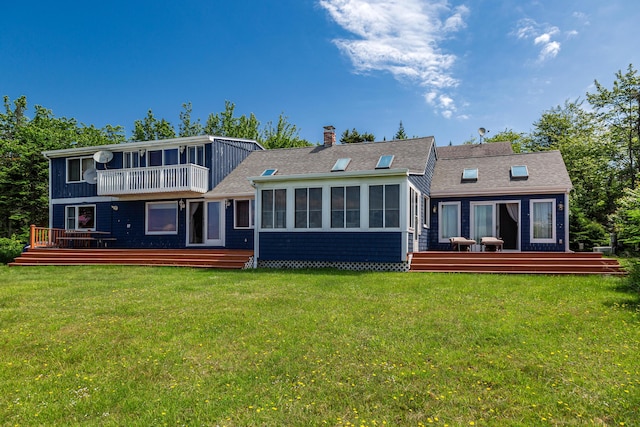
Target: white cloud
pixel 402 37
pixel 542 35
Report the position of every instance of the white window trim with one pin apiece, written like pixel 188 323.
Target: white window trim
pixel 384 207
pixel 251 214
pixel 186 154
pixel 553 220
pixel 146 220
pixel 440 206
pixel 326 204
pixel 426 215
pixel 95 219
pixel 81 173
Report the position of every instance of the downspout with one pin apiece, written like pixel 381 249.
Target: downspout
pixel 257 223
pixel 566 222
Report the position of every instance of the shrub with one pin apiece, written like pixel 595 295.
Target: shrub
pixel 10 249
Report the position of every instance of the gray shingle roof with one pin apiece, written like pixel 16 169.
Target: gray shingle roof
pixel 474 150
pixel 547 173
pixel 411 154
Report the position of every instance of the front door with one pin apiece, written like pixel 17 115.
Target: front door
pixel 205 223
pixel 491 219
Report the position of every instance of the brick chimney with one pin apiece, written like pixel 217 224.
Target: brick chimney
pixel 329 136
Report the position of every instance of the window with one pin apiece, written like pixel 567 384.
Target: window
pixel 519 172
pixel 162 218
pixel 449 220
pixel 426 212
pixel 269 172
pixel 81 217
pixel 384 162
pixel 543 221
pixel 274 208
pixel 308 208
pixel 77 167
pixel 195 154
pixel 345 207
pixel 131 159
pixel 243 210
pixel 384 206
pixel 470 175
pixel 341 164
pixel 171 157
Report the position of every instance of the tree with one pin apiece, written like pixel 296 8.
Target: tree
pixel 354 137
pixel 284 134
pixel 225 124
pixel 517 140
pixel 619 108
pixel 24 171
pixel 151 129
pixel 188 127
pixel 626 218
pixel 400 134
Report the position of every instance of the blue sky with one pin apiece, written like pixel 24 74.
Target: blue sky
pixel 443 68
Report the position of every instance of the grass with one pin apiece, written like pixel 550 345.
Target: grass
pixel 175 346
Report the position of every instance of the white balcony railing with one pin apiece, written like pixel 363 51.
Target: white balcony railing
pixel 157 179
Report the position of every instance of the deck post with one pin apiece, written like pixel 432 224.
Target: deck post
pixel 32 236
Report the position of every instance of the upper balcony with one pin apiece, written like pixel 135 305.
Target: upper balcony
pixel 149 180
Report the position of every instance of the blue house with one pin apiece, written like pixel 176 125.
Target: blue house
pixel 148 194
pixel 356 206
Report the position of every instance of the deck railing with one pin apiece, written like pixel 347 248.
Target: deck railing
pixel 157 179
pixel 43 237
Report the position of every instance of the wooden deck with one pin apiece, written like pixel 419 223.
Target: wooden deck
pixel 223 258
pixel 515 263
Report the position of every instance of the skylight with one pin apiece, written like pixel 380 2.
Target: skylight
pixel 269 172
pixel 470 174
pixel 341 164
pixel 385 162
pixel 519 172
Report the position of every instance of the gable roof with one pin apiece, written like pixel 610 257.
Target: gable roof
pixel 547 174
pixel 474 150
pixel 410 156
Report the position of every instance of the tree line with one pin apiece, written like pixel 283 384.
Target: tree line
pixel 598 136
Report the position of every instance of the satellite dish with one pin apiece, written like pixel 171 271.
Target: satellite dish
pixel 90 175
pixel 481 131
pixel 103 156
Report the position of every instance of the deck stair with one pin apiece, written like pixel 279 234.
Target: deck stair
pixel 515 262
pixel 223 258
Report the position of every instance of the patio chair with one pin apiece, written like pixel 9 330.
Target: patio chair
pixel 461 244
pixel 491 244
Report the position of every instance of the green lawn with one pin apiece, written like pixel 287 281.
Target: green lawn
pixel 175 346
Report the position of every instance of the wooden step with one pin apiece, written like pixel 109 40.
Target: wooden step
pixel 216 258
pixel 515 263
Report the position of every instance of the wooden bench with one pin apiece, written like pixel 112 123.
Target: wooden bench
pixel 71 240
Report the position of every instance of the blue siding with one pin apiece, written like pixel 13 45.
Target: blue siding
pixel 331 246
pixel 226 156
pixel 423 183
pixel 236 238
pixel 525 216
pixel 60 188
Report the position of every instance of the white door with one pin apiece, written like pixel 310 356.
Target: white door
pixel 483 221
pixel 205 222
pixel 414 212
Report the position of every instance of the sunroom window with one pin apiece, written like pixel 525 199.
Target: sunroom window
pixel 308 208
pixel 345 207
pixel 274 208
pixel 384 206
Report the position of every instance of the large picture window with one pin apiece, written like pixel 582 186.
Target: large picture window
pixel 345 207
pixel 384 206
pixel 274 208
pixel 449 220
pixel 81 217
pixel 543 221
pixel 162 218
pixel 308 208
pixel 77 167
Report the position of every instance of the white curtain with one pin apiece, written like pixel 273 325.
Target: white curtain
pixel 542 220
pixel 449 221
pixel 482 221
pixel 512 209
